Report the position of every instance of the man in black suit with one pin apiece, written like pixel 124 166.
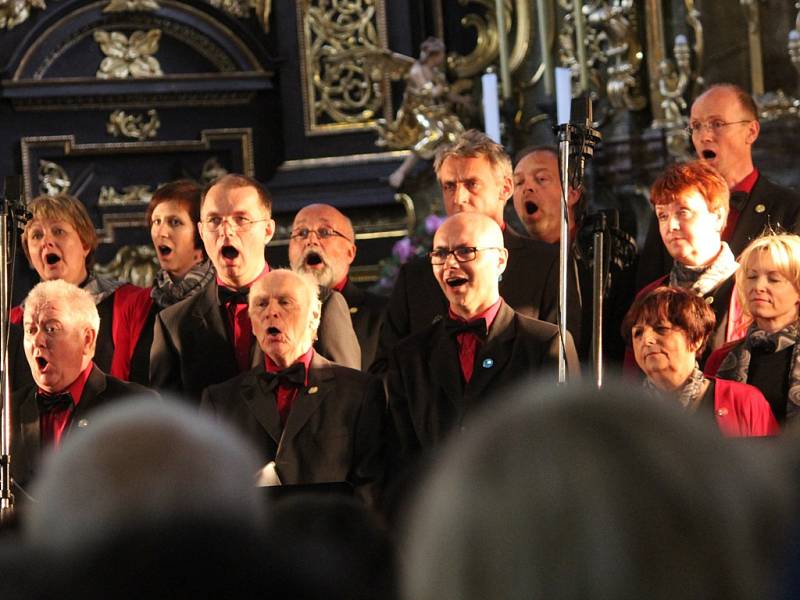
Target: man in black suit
pixel 322 244
pixel 724 126
pixel 441 374
pixel 208 338
pixel 475 176
pixel 60 324
pixel 312 420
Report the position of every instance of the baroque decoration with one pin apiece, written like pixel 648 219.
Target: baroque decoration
pixel 131 6
pixel 136 264
pixel 613 53
pixel 340 93
pixel 14 12
pixel 53 179
pixel 128 57
pixel 132 195
pixel 133 126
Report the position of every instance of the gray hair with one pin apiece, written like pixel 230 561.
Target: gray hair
pixel 142 462
pixel 472 144
pixel 78 302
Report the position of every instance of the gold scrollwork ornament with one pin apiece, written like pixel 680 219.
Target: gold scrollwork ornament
pixel 340 93
pixel 132 195
pixel 53 179
pixel 131 6
pixel 128 57
pixel 14 12
pixel 133 126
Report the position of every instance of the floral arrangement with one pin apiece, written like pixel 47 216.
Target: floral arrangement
pixel 405 249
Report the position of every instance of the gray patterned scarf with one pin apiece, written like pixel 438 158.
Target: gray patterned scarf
pixel 101 287
pixel 688 395
pixel 167 292
pixel 736 364
pixel 704 280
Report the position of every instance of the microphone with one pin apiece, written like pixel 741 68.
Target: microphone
pixel 12 195
pixel 584 138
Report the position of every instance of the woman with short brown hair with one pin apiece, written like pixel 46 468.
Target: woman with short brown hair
pixel 668 328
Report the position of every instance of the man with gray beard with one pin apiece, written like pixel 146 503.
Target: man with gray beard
pixel 322 244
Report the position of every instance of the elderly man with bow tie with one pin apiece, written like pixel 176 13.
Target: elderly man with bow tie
pixel 312 420
pixel 60 323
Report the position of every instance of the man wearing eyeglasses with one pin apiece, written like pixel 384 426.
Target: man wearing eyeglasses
pixel 208 338
pixel 724 125
pixel 476 177
pixel 322 244
pixel 441 374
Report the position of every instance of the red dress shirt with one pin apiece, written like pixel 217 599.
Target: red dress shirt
pixel 52 424
pixel 468 341
pixel 285 394
pixel 239 327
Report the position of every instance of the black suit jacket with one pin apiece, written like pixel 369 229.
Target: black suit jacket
pixel 366 311
pixel 100 389
pixel 768 205
pixel 334 431
pixel 191 349
pixel 427 395
pixel 529 285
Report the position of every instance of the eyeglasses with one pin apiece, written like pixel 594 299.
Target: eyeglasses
pixel 323 233
pixel 462 254
pixel 715 125
pixel 235 223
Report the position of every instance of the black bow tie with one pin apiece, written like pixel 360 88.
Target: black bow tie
pixel 293 374
pixel 54 402
pixel 477 326
pixel 228 296
pixel 738 200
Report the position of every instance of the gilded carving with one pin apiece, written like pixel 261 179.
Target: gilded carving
pixel 487 43
pixel 612 53
pixel 128 57
pixel 53 179
pixel 14 12
pixel 212 170
pixel 131 6
pixel 672 85
pixel 339 92
pixel 132 195
pixel 753 19
pixel 136 264
pixel 133 126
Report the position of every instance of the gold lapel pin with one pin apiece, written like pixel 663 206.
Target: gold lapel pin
pixel 313 389
pixel 353 310
pixel 760 208
pixel 83 423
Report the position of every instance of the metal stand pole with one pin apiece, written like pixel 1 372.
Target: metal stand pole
pixel 6 493
pixel 564 141
pixel 598 289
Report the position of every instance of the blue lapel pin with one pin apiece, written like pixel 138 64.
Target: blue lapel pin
pixel 488 363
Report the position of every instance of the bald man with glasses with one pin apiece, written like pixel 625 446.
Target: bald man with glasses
pixel 322 244
pixel 443 373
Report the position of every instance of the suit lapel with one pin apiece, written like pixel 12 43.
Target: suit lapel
pixel 261 402
pixel 492 356
pixel 446 368
pixel 92 395
pixel 754 217
pixel 30 434
pixel 207 316
pixel 320 385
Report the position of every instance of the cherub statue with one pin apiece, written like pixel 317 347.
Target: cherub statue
pixel 426 118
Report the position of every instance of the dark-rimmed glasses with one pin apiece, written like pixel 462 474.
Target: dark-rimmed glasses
pixel 462 254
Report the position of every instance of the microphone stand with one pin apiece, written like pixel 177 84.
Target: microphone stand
pixel 12 211
pixel 576 143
